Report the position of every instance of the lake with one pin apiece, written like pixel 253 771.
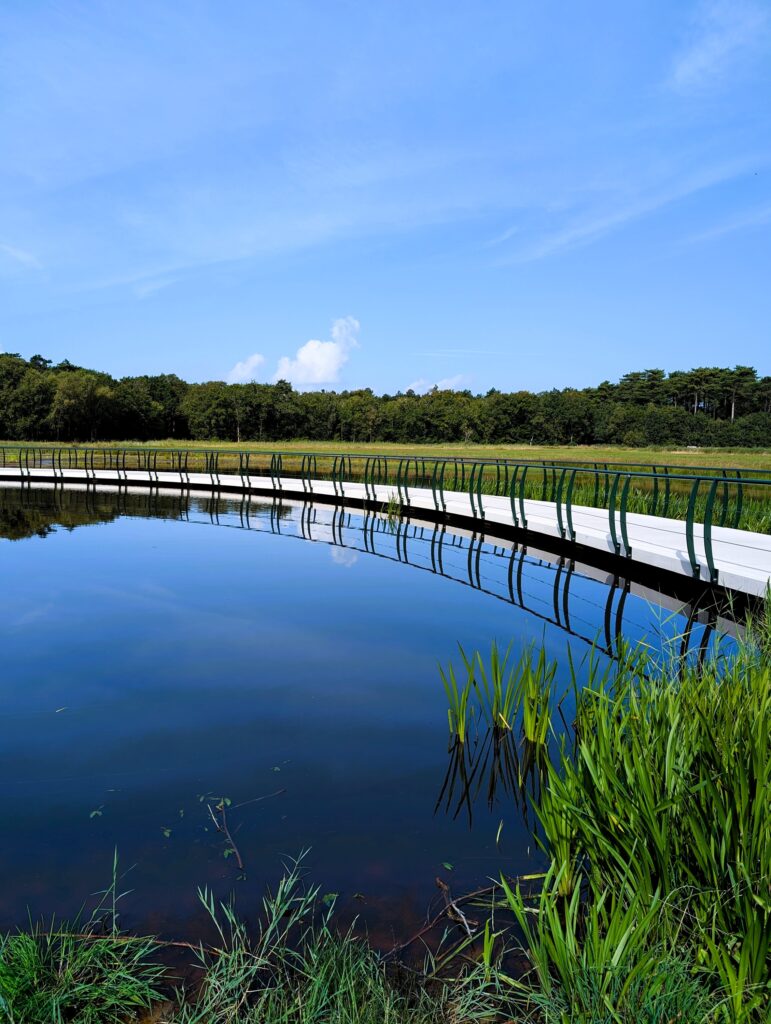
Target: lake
pixel 162 652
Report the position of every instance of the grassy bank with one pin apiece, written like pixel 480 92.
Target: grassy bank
pixel 653 806
pixel 735 458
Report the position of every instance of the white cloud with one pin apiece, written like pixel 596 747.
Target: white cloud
pixel 421 386
pixel 345 556
pixel 244 370
pixel 724 33
pixel 320 362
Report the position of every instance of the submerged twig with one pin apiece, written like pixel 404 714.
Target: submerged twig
pixel 487 890
pixel 223 828
pixel 229 837
pixel 453 910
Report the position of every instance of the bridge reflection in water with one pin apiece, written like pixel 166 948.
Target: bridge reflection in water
pixel 587 603
pixel 538 582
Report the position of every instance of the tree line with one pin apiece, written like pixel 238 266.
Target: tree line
pixel 42 401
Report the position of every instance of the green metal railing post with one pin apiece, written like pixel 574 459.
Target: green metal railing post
pixel 558 503
pixel 612 514
pixel 512 497
pixel 624 500
pixel 666 493
pixel 695 567
pixel 522 516
pixel 739 499
pixel 708 531
pixel 569 505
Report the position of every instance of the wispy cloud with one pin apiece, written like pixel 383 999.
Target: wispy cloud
pixel 145 289
pixel 745 222
pixel 26 259
pixel 320 362
pixel 724 33
pixel 461 352
pixel 597 223
pixel 245 370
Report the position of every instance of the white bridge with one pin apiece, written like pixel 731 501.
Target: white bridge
pixel 741 559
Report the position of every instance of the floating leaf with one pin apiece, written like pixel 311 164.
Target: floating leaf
pixel 166 831
pixel 329 898
pixel 97 813
pixel 447 865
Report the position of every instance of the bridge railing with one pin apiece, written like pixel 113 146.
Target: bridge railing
pixel 710 498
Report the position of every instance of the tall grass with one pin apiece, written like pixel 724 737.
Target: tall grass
pixel 656 819
pixel 299 970
pixel 84 971
pixel 294 968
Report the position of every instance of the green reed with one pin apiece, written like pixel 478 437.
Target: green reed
pixel 656 819
pixel 500 694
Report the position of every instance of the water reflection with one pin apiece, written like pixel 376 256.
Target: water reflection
pixel 490 766
pixel 152 664
pixel 586 603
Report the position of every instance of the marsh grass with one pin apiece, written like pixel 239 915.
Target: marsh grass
pixel 654 812
pixel 84 971
pixel 293 967
pixel 748 458
pixel 656 821
pixel 300 970
pixel 503 698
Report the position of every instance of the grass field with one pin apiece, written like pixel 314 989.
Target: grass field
pixel 730 458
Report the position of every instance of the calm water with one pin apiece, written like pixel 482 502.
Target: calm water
pixel 159 654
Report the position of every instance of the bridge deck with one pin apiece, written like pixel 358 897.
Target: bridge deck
pixel 742 558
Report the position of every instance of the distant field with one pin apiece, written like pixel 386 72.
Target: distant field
pixel 749 458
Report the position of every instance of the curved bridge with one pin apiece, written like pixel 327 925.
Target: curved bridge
pixel 459 490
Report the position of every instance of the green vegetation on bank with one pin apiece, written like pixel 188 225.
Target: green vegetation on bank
pixel 731 458
pixel 710 406
pixel 653 807
pixel 654 810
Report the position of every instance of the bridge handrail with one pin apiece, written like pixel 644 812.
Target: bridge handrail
pixel 708 494
pixel 606 464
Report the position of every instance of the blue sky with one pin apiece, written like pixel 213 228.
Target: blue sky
pixel 385 194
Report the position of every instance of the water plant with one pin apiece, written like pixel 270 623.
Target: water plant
pixel 506 698
pixel 657 825
pixel 654 813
